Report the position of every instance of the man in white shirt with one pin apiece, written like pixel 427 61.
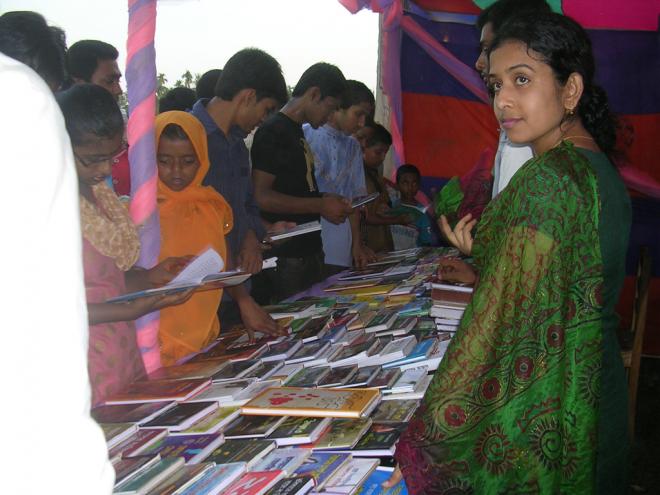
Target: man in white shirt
pixel 52 443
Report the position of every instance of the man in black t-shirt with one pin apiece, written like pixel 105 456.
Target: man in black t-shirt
pixel 283 177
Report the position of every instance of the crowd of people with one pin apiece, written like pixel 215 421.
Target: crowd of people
pixel 530 396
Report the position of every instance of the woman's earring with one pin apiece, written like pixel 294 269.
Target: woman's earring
pixel 570 112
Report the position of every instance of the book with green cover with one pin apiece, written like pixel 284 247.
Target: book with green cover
pixel 343 434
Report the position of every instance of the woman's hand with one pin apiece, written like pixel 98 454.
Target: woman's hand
pixel 455 270
pixel 461 236
pixel 394 479
pixel 146 305
pixel 166 270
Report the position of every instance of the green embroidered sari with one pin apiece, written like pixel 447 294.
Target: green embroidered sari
pixel 514 406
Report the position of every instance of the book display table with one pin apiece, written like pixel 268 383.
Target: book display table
pixel 317 411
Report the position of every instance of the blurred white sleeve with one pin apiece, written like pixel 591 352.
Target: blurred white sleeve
pixel 52 444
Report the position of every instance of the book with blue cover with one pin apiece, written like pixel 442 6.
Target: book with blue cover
pixel 419 353
pixel 191 448
pixel 321 466
pixel 373 484
pixel 216 479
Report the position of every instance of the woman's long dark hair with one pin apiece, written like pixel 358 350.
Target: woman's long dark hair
pixel 565 46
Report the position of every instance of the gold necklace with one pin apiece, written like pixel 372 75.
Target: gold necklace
pixel 566 138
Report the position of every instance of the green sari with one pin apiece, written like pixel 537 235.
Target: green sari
pixel 514 405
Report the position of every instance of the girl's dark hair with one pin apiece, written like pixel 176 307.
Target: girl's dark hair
pixel 565 46
pixel 174 132
pixel 90 111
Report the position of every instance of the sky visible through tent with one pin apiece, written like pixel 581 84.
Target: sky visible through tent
pixel 199 35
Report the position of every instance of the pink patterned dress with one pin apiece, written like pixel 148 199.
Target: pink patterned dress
pixel 113 356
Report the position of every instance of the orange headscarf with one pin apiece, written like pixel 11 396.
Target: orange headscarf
pixel 191 220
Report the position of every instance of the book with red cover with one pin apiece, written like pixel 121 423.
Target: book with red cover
pixel 254 483
pixel 159 390
pixel 450 297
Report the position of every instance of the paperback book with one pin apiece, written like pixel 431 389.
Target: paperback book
pixel 299 430
pixel 328 402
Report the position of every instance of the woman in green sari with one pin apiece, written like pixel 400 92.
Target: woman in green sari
pixel 531 396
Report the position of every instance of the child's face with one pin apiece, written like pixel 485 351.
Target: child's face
pixel 374 155
pixel 362 135
pixel 177 163
pixel 408 186
pixel 350 120
pixel 95 158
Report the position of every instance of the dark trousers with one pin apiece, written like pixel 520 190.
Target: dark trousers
pixel 291 276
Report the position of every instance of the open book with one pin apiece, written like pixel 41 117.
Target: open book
pixel 204 272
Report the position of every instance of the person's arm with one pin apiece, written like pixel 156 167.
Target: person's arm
pixel 110 312
pixel 330 206
pixel 362 255
pixel 253 316
pixel 250 256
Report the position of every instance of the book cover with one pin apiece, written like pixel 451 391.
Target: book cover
pixel 299 430
pixel 298 485
pixel 252 426
pixel 211 423
pixel 325 357
pixel 308 351
pixel 308 377
pixel 355 352
pixel 362 378
pixel 254 483
pixel 235 370
pixel 136 443
pixel 181 479
pixel 321 466
pixel 352 284
pixel 347 480
pixel 216 479
pixel 303 228
pixel 281 350
pixel 116 433
pixel 201 369
pixel 385 378
pixel 182 415
pixel 192 448
pixel 149 478
pixel 159 390
pixel 130 467
pixel 419 353
pixel 338 376
pixel 391 351
pixel 265 370
pixel 395 411
pixel 330 402
pixel 373 484
pixel 380 440
pixel 248 451
pixel 408 380
pixel 382 321
pixel 222 391
pixel 343 434
pixel 130 413
pixel 371 291
pixel 417 393
pixel 287 460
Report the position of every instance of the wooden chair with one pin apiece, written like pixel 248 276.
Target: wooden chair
pixel 632 356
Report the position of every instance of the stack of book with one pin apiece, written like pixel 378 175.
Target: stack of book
pixel 319 409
